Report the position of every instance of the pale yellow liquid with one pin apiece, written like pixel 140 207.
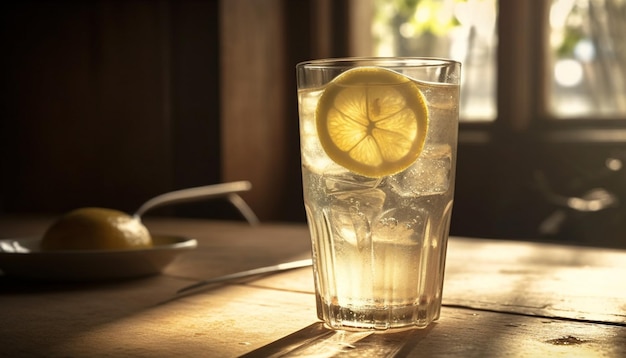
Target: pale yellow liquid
pixel 379 244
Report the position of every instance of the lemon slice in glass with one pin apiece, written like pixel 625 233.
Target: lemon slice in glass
pixel 372 121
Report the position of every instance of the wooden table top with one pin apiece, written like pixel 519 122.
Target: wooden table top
pixel 501 298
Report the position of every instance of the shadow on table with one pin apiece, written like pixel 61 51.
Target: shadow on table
pixel 319 341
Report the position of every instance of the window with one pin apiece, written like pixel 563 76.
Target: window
pixel 583 71
pixel 588 58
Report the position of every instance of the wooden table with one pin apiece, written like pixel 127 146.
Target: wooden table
pixel 501 298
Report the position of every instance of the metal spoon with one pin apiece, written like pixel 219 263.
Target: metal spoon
pixel 228 190
pixel 285 266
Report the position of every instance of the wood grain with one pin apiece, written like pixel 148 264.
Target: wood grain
pixel 501 298
pixel 459 333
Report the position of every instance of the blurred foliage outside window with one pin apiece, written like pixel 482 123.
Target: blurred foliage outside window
pixel 588 58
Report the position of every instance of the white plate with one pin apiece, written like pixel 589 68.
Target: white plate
pixel 23 258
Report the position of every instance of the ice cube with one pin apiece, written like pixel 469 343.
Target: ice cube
pixel 429 175
pixel 313 156
pixel 401 225
pixel 352 213
pixel 342 181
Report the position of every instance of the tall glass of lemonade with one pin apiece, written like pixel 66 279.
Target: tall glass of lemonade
pixel 378 148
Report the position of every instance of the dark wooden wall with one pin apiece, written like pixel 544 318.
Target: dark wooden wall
pixel 107 103
pixel 93 110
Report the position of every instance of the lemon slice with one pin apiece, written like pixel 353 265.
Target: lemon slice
pixel 372 121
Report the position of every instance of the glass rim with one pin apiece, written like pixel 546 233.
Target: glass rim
pixel 391 61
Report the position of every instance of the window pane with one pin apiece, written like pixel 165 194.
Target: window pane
pixel 462 30
pixel 588 58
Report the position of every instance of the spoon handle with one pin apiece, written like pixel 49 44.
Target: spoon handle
pixel 228 190
pixel 285 266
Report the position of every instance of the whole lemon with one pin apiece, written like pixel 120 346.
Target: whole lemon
pixel 96 229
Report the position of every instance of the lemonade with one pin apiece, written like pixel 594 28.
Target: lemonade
pixel 378 216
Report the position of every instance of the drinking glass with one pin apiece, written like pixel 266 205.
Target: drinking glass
pixel 378 150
